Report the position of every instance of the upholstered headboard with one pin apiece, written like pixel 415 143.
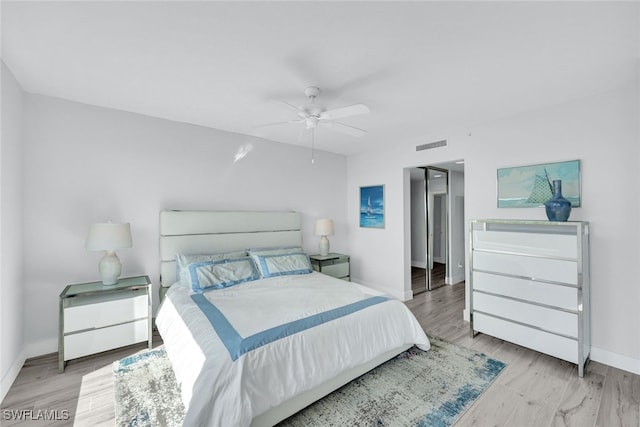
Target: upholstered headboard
pixel 209 232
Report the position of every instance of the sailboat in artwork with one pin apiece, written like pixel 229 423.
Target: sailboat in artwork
pixel 372 212
pixel 542 190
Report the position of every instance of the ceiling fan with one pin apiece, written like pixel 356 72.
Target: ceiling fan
pixel 313 115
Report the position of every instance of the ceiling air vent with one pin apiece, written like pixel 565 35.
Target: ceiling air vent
pixel 431 145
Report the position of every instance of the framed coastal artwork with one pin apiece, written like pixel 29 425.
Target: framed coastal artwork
pixel 531 186
pixel 372 206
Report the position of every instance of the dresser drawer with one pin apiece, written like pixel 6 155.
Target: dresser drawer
pixel 99 311
pixel 548 319
pixel 97 340
pixel 554 345
pixel 554 270
pixel 564 297
pixel 540 244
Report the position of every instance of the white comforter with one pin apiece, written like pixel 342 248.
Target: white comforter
pixel 220 391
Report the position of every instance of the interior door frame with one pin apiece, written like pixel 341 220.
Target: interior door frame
pixel 429 215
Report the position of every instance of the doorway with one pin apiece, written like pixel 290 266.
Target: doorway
pixel 437 226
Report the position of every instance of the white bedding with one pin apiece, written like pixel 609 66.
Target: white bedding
pixel 217 390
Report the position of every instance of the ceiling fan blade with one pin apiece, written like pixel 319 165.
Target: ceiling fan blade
pixel 341 127
pixel 278 123
pixel 298 110
pixel 351 110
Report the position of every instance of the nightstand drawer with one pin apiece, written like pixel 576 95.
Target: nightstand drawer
pixel 336 270
pixel 97 340
pixel 100 311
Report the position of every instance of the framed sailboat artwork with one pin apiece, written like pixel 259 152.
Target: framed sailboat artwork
pixel 372 206
pixel 531 186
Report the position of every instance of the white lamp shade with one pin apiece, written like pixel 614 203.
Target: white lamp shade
pixel 108 237
pixel 324 227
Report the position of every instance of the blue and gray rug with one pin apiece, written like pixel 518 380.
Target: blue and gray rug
pixel 416 388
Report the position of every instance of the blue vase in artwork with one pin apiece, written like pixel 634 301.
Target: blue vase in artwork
pixel 558 208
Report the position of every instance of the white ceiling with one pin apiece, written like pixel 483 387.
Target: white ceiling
pixel 421 67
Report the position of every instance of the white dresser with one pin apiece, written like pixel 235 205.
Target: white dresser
pixel 530 285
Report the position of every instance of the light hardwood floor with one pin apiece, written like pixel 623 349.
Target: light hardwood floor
pixel 534 390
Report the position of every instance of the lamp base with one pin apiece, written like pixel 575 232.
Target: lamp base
pixel 324 246
pixel 110 268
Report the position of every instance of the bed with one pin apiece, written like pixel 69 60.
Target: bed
pixel 257 346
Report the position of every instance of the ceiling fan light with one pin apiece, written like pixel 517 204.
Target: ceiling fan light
pixel 314 109
pixel 312 122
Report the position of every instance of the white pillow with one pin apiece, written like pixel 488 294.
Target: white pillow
pixel 183 261
pixel 207 275
pixel 281 264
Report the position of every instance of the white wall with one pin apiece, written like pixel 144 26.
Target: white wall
pixel 86 164
pixel 12 354
pixel 601 131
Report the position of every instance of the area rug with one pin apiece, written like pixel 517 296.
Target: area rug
pixel 416 388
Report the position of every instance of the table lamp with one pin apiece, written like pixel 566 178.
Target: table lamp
pixel 108 237
pixel 324 228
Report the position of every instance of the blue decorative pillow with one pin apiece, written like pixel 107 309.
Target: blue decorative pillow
pixel 208 275
pixel 184 260
pixel 281 264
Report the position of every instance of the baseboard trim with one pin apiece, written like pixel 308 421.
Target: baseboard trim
pixel 616 360
pixel 12 374
pixel 42 347
pixel 408 295
pixel 457 279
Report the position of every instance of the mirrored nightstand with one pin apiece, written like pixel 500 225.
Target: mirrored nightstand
pixel 332 264
pixel 95 318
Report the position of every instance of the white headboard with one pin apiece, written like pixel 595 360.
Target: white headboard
pixel 210 232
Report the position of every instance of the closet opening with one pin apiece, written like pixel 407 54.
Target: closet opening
pixel 437 226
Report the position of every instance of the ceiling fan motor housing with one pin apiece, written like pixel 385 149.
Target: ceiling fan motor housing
pixel 312 111
pixel 312 91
